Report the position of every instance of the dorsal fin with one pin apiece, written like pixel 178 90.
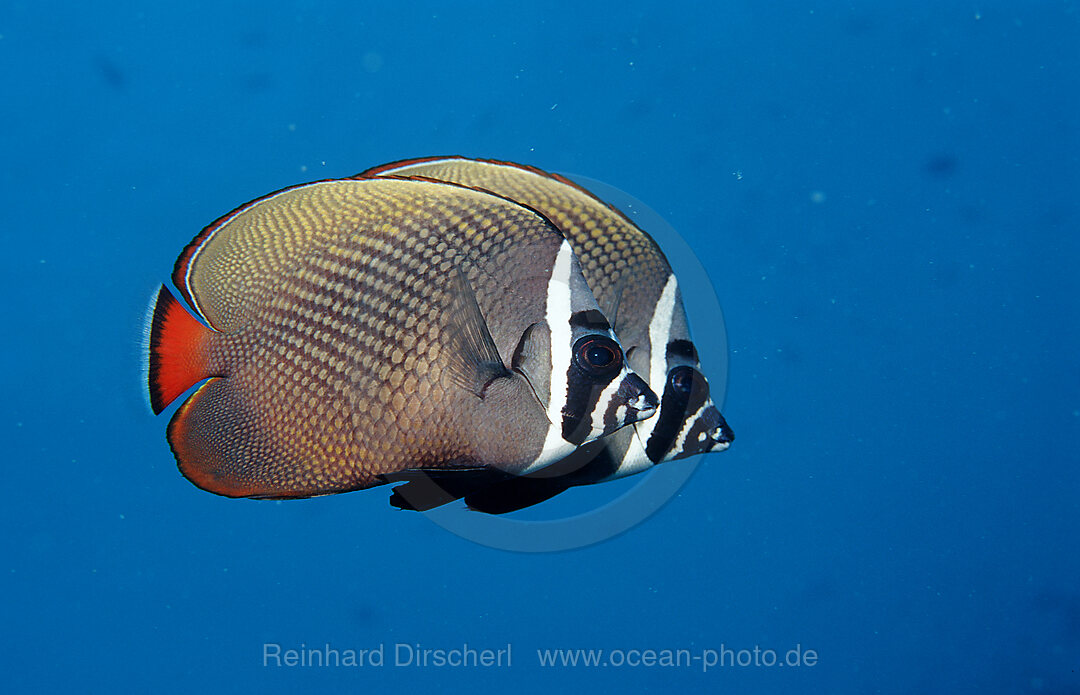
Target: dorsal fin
pixel 474 358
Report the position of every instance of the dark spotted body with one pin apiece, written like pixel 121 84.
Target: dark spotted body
pixel 350 322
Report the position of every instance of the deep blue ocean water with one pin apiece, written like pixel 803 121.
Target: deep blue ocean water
pixel 885 196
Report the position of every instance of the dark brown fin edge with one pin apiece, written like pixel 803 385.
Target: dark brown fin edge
pixel 180 268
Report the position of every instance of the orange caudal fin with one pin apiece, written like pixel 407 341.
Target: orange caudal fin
pixel 177 351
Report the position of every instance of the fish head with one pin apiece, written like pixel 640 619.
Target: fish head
pixel 688 422
pixel 577 368
pixel 695 421
pixel 603 394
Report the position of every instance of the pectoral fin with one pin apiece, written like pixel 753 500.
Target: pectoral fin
pixel 474 361
pixel 532 359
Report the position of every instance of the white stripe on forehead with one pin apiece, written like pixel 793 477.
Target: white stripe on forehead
pixel 659 333
pixel 557 316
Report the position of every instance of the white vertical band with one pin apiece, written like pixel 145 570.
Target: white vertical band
pixel 557 316
pixel 659 332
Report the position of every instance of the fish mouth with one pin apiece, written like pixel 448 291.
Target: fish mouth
pixel 720 435
pixel 642 405
pixel 644 400
pixel 719 445
pixel 707 432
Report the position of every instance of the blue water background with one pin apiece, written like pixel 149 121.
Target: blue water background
pixel 884 194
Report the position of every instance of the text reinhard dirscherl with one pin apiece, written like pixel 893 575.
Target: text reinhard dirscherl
pixel 400 654
pixel 404 654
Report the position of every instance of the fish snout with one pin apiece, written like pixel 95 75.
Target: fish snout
pixel 706 432
pixel 638 396
pixel 718 433
pixel 722 435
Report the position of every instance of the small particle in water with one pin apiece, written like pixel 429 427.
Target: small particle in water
pixel 940 165
pixel 371 62
pixel 817 197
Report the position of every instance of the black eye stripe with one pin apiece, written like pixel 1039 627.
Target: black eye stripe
pixel 598 356
pixel 676 407
pixel 687 383
pixel 682 348
pixel 586 383
pixel 590 319
pixel 681 380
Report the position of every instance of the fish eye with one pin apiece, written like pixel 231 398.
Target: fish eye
pixel 682 380
pixel 597 355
